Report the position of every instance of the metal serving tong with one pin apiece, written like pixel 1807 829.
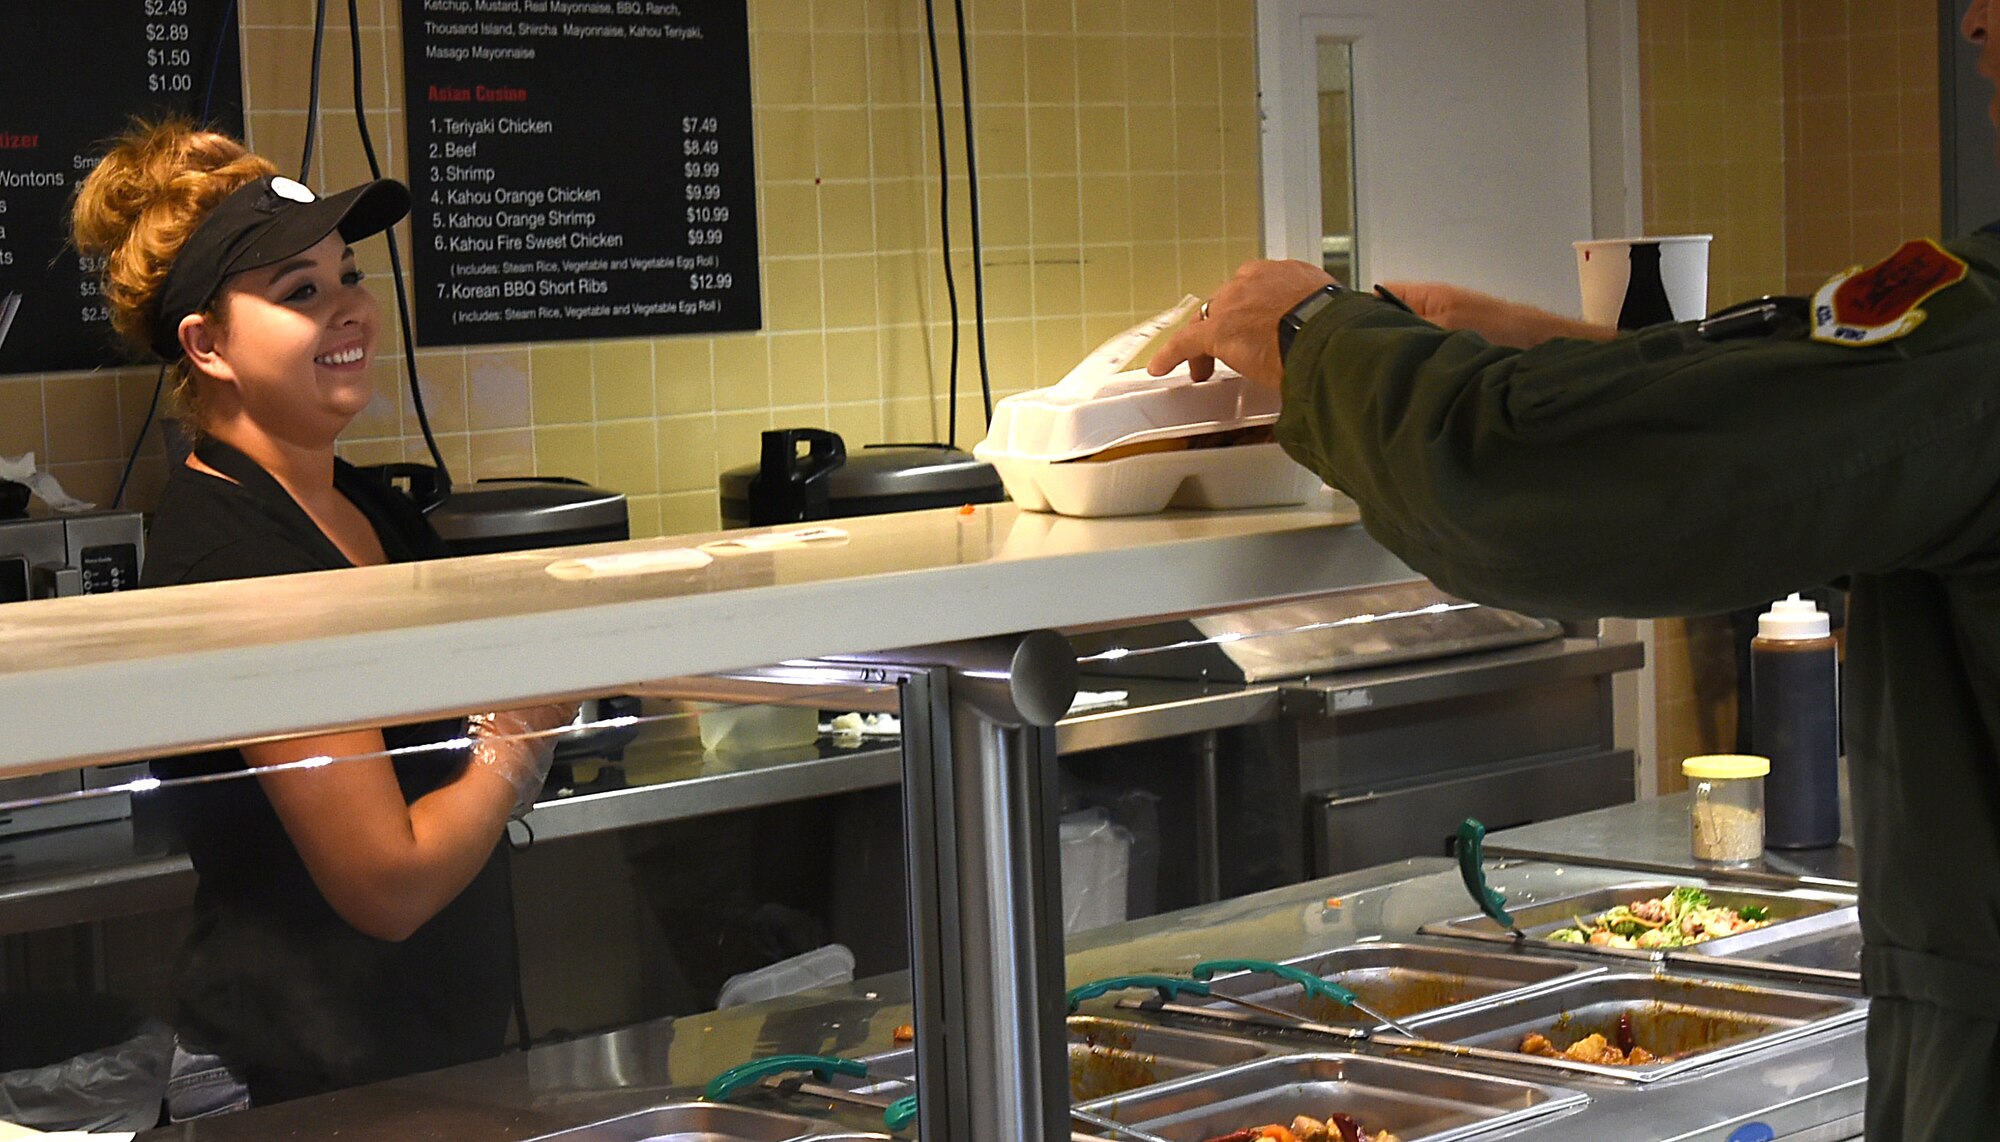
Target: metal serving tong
pixel 1472 870
pixel 1113 1127
pixel 812 1075
pixel 904 1111
pixel 1314 986
pixel 1171 987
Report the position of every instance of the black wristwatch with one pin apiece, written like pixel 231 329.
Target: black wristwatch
pixel 1290 324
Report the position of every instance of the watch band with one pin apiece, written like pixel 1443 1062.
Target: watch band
pixel 1295 320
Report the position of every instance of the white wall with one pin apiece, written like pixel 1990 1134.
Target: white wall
pixel 1473 138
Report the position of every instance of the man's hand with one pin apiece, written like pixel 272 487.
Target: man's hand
pixel 1241 329
pixel 1501 322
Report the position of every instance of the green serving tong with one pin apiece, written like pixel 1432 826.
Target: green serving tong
pixel 821 1067
pixel 1170 987
pixel 1314 986
pixel 1472 870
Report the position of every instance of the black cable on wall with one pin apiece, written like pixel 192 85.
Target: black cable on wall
pixel 944 216
pixel 312 97
pixel 395 261
pixel 972 200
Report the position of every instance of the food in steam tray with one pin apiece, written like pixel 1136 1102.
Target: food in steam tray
pixel 1594 1048
pixel 1681 917
pixel 1336 1128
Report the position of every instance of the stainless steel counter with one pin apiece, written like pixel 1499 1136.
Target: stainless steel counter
pixel 119 868
pixel 1652 836
pixel 1808 1091
pixel 89 872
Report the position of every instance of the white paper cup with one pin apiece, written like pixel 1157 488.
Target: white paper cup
pixel 1604 270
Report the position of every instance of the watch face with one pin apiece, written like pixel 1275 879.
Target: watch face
pixel 1290 324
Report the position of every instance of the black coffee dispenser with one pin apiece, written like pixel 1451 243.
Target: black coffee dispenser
pixel 791 483
pixel 808 473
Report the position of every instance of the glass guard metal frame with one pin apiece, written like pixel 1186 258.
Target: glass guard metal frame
pixel 985 895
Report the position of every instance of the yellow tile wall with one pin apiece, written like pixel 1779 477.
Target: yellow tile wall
pixel 1712 124
pixel 1712 128
pixel 1861 144
pixel 1804 135
pixel 1117 147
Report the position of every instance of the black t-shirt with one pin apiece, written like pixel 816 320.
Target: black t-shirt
pixel 272 979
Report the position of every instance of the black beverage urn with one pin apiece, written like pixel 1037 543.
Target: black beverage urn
pixel 808 473
pixel 514 513
pixel 523 514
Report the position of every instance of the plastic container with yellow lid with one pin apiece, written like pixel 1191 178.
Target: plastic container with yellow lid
pixel 1726 822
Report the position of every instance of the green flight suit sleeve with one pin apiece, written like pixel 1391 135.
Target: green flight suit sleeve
pixel 1657 474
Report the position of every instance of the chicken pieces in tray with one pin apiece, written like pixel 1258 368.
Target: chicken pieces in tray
pixel 1336 1128
pixel 1589 1049
pixel 1595 1048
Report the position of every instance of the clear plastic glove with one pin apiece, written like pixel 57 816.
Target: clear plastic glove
pixel 519 745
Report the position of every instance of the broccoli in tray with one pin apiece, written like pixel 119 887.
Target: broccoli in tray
pixel 1681 917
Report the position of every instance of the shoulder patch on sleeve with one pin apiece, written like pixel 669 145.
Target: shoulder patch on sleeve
pixel 1867 306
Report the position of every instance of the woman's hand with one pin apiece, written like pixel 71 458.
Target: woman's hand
pixel 518 746
pixel 1241 329
pixel 1501 322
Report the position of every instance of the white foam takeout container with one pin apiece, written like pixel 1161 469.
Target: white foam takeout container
pixel 1037 438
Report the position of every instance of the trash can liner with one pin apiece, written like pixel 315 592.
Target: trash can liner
pixel 81 1063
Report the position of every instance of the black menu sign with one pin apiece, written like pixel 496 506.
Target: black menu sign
pixel 581 168
pixel 72 73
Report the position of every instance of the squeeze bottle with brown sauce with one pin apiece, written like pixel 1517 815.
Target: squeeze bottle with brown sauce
pixel 1795 721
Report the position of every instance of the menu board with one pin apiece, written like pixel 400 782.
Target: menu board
pixel 72 74
pixel 580 168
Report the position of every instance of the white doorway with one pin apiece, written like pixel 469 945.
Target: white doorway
pixel 1473 131
pixel 1480 140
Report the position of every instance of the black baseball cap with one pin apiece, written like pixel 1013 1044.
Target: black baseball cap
pixel 263 222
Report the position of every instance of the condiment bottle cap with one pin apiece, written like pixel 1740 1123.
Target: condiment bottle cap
pixel 1726 766
pixel 1794 618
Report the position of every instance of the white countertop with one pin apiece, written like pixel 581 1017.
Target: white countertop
pixel 142 673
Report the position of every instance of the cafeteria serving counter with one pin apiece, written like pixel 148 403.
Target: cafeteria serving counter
pixel 980 696
pixel 1808 1089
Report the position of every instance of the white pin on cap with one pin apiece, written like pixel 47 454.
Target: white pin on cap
pixel 296 191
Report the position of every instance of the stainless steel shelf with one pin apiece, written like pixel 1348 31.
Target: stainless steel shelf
pixel 88 872
pixel 96 872
pixel 1441 678
pixel 674 785
pixel 1161 709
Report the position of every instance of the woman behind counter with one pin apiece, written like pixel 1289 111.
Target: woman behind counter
pixel 352 922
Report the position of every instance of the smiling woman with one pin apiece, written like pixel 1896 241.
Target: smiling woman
pixel 353 920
